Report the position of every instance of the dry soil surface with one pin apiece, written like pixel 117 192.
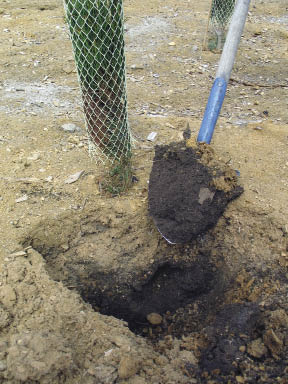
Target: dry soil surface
pixel 89 291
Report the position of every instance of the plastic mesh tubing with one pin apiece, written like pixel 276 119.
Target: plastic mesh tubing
pixel 97 35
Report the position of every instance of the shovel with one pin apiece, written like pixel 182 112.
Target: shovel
pixel 185 201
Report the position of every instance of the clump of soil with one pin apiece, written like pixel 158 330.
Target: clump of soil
pixel 189 190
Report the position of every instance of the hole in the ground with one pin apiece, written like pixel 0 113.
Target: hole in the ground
pixel 130 274
pixel 169 288
pixel 208 290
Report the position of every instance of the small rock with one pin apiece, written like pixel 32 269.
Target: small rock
pixel 3 365
pixel 19 253
pixel 68 68
pixel 154 318
pixel 134 66
pixel 121 341
pixel 152 136
pixel 70 127
pixel 65 247
pixel 279 318
pixel 108 352
pixel 4 319
pixel 105 374
pixel 128 367
pixel 187 356
pixel 257 349
pixel 205 194
pixel 240 379
pixel 172 43
pixel 73 139
pixel 273 343
pixel 7 296
pixel 137 380
pixel 34 157
pixel 21 199
pixel 72 178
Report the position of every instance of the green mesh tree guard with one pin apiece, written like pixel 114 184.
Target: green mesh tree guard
pixel 97 35
pixel 219 18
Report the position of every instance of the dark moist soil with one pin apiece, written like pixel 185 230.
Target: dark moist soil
pixel 170 287
pixel 187 196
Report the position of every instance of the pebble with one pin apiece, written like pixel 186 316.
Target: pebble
pixel 205 194
pixel 121 341
pixel 68 69
pixel 17 254
pixel 279 318
pixel 72 178
pixel 273 343
pixel 8 296
pixel 128 367
pixel 21 199
pixel 257 349
pixel 35 156
pixel 152 136
pixel 108 353
pixel 154 318
pixel 70 127
pixel 137 380
pixel 134 66
pixel 3 365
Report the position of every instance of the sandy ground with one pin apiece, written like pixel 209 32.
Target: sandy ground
pixel 62 240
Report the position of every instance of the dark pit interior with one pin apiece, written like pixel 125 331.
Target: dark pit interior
pixel 170 287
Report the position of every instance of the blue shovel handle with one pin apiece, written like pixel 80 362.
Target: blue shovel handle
pixel 226 62
pixel 212 110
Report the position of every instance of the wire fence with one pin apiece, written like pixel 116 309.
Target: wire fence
pixel 97 35
pixel 218 22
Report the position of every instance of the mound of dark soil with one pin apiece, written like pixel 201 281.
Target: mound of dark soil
pixel 189 190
